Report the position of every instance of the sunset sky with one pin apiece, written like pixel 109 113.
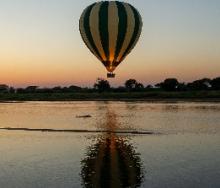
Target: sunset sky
pixel 40 43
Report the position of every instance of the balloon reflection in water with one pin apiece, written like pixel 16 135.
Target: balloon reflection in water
pixel 111 161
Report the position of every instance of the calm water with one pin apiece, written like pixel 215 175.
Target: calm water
pixel 183 149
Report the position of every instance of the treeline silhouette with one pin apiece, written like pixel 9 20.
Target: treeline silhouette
pixel 131 85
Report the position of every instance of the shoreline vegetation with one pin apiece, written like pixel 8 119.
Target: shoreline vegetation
pixel 151 96
pixel 170 90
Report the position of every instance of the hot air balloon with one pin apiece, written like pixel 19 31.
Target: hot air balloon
pixel 110 29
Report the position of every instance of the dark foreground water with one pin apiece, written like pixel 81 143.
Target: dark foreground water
pixel 109 144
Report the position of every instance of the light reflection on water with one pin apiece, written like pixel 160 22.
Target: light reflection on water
pixel 112 161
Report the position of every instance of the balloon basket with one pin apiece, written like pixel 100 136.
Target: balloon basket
pixel 110 75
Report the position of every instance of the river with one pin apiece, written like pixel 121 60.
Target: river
pixel 109 144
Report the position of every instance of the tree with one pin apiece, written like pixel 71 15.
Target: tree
pixel 158 85
pixel 74 88
pixel 102 85
pixel 139 87
pixel 11 90
pixel 202 84
pixel 170 84
pixel 182 87
pixel 57 89
pixel 4 88
pixel 130 84
pixel 215 83
pixel 20 90
pixel 149 87
pixel 31 89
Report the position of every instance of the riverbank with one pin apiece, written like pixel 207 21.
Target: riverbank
pixel 200 96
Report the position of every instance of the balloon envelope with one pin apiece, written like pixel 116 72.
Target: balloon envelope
pixel 110 29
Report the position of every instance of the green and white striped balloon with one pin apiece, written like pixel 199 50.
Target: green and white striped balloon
pixel 110 29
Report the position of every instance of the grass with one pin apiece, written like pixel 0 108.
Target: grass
pixel 148 95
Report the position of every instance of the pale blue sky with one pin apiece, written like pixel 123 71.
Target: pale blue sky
pixel 40 43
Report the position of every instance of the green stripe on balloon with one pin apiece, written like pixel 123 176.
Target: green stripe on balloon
pixel 135 34
pixel 87 29
pixel 103 27
pixel 122 27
